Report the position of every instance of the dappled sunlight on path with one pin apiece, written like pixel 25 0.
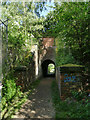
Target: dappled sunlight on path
pixel 39 103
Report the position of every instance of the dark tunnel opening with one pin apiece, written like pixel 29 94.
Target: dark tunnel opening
pixel 46 68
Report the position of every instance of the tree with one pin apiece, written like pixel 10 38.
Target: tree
pixel 23 28
pixel 69 22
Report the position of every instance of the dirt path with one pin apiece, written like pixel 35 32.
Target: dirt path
pixel 39 104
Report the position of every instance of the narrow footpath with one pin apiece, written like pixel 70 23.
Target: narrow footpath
pixel 39 103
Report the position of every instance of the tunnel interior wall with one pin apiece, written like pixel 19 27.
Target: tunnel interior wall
pixel 45 68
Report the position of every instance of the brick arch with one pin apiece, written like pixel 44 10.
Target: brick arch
pixel 46 52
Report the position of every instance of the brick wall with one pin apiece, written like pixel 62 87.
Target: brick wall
pixel 25 76
pixel 48 42
pixel 69 79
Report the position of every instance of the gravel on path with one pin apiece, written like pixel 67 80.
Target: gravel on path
pixel 39 103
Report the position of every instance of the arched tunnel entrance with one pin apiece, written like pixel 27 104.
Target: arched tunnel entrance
pixel 48 68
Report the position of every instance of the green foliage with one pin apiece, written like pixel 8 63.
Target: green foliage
pixel 12 97
pixel 24 28
pixel 9 90
pixel 69 24
pixel 51 68
pixel 63 53
pixel 69 108
pixel 62 59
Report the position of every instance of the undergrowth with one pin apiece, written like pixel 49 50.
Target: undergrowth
pixel 12 97
pixel 69 108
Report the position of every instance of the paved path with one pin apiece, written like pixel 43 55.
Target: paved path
pixel 39 104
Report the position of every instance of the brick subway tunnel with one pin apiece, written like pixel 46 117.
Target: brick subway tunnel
pixel 45 65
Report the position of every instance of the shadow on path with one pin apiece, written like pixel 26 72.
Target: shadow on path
pixel 39 103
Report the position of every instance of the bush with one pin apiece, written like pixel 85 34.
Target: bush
pixel 11 96
pixel 9 89
pixel 65 58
